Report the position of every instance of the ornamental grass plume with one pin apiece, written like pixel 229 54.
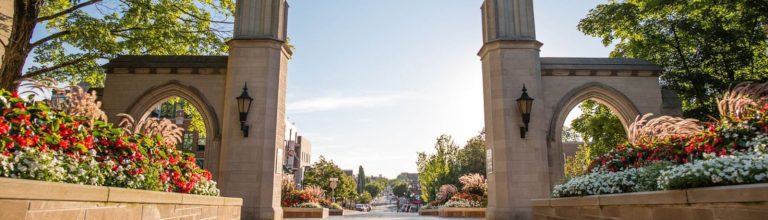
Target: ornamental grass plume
pixel 743 101
pixel 647 132
pixel 474 184
pixel 445 192
pixel 170 132
pixel 315 191
pixel 78 102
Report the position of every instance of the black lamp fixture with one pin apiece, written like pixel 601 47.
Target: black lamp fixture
pixel 244 106
pixel 525 103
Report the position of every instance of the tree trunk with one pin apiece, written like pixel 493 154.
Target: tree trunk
pixel 18 48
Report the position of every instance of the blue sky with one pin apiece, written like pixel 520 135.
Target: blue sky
pixel 373 82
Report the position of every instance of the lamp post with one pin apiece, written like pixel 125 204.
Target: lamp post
pixel 333 183
pixel 244 107
pixel 525 103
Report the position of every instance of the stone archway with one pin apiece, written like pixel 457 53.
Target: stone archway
pixel 615 100
pixel 521 167
pixel 619 104
pixel 142 108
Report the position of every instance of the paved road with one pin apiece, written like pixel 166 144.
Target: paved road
pixel 382 210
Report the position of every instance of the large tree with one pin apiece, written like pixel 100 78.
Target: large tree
pixel 360 180
pixel 400 188
pixel 598 127
pixel 439 168
pixel 77 35
pixel 600 131
pixel 704 45
pixel 471 158
pixel 373 189
pixel 320 173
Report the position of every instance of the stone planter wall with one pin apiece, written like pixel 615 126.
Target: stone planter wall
pixel 454 212
pixel 335 212
pixel 305 212
pixel 461 212
pixel 712 203
pixel 33 200
pixel 429 212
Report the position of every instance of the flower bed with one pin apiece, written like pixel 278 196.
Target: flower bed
pixel 31 199
pixel 671 153
pixel 40 144
pixel 724 202
pixel 311 197
pixel 469 202
pixel 305 212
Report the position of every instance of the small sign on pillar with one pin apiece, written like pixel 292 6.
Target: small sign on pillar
pixel 489 160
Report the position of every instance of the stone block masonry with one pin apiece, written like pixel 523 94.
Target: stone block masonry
pixel 743 202
pixel 33 200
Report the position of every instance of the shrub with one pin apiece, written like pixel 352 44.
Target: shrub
pixel 598 182
pixel 461 203
pixel 308 205
pixel 291 197
pixel 445 193
pixel 677 154
pixel 40 144
pixel 647 177
pixel 334 206
pixel 729 170
pixel 474 184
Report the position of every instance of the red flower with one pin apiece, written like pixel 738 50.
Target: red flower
pixel 64 144
pixel 119 143
pixel 22 141
pixel 708 148
pixel 22 119
pixel 88 142
pixel 4 128
pixel 164 176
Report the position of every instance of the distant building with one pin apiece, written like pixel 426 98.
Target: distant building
pixel 300 158
pixel 298 153
pixel 413 181
pixel 350 173
pixel 192 141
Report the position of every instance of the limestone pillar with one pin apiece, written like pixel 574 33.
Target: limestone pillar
pixel 518 168
pixel 259 57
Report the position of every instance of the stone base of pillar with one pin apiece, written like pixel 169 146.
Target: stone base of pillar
pixel 262 213
pixel 522 213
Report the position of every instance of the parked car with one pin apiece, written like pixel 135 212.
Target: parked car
pixel 363 207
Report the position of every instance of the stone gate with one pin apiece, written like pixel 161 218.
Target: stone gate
pixel 521 169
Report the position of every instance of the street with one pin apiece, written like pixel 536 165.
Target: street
pixel 383 210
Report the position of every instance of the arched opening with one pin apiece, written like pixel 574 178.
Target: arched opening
pixel 590 129
pixel 589 103
pixel 161 102
pixel 182 113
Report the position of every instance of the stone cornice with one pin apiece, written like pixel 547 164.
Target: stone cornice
pixel 268 43
pixel 509 44
pixel 207 65
pixel 585 66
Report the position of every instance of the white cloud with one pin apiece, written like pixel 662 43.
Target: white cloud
pixel 341 102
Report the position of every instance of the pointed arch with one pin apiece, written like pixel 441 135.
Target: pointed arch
pixel 619 104
pixel 142 108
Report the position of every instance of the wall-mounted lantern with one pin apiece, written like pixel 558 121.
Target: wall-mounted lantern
pixel 525 104
pixel 244 107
